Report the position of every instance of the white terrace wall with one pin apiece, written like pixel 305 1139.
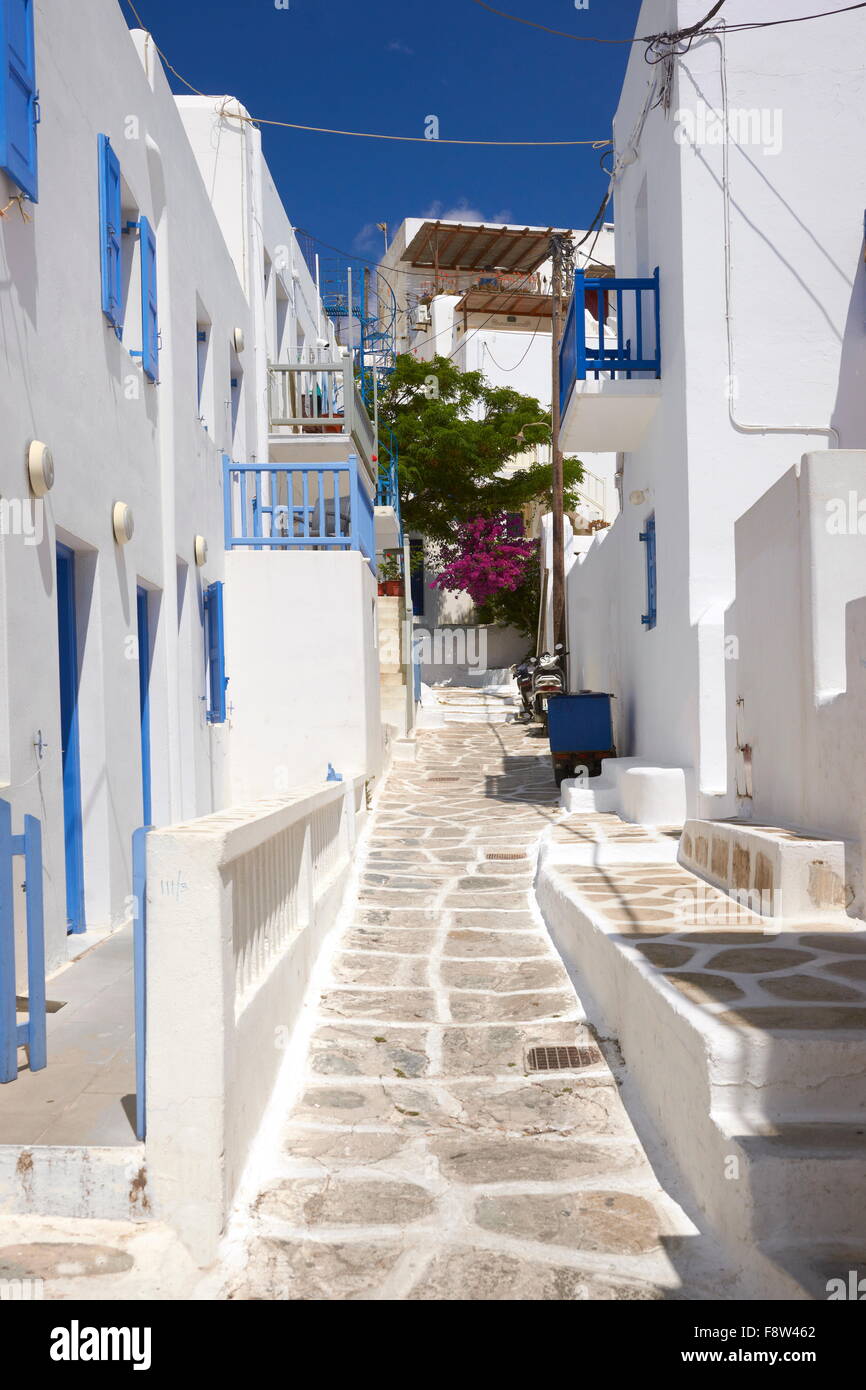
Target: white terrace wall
pixel 303 667
pixel 69 382
pixel 796 690
pixel 798 349
pixel 238 904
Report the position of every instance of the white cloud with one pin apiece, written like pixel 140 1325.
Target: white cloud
pixel 463 211
pixel 398 46
pixel 369 238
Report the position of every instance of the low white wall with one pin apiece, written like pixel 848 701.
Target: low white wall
pixel 238 904
pixel 303 666
pixel 796 695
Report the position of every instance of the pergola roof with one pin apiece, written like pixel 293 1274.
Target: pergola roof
pixel 474 246
pixel 495 301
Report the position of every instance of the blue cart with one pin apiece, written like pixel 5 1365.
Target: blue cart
pixel 580 729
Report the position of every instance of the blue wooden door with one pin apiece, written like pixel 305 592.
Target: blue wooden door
pixel 72 822
pixel 144 699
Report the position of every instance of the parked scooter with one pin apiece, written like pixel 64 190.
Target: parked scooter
pixel 548 679
pixel 523 674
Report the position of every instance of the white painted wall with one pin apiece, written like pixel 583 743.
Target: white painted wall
pixel 249 937
pixel 797 284
pixel 796 692
pixel 304 670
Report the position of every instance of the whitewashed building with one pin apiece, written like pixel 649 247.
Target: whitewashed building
pixel 188 489
pixel 719 608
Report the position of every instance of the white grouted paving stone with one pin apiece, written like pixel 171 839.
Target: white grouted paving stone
pixel 420 1160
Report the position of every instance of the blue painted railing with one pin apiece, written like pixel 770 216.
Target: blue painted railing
pixel 636 329
pixel 388 491
pixel 139 952
pixel 13 1034
pixel 298 506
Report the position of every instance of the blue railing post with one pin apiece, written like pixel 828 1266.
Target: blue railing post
pixel 580 322
pixel 227 500
pixel 658 323
pixel 37 1047
pixel 8 1023
pixel 139 950
pixel 354 503
pixel 31 1034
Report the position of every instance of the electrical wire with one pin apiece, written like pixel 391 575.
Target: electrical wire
pixel 519 363
pixel 360 134
pixel 693 31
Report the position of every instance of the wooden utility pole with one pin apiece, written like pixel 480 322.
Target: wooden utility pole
pixel 560 260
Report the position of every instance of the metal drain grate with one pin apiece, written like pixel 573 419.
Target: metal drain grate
pixel 492 854
pixel 561 1058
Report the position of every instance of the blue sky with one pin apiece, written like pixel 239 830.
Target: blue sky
pixel 386 66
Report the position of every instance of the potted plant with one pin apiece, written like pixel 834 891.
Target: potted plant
pixel 391 574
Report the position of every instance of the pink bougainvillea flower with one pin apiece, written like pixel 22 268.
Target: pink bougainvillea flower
pixel 488 555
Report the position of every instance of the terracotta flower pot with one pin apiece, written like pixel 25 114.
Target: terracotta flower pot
pixel 391 588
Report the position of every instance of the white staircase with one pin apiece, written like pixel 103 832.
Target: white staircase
pixel 451 704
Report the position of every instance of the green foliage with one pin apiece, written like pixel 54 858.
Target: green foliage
pixel 516 607
pixel 455 434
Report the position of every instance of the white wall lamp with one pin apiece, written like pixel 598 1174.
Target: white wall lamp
pixel 238 340
pixel 122 522
pixel 637 499
pixel 200 551
pixel 40 468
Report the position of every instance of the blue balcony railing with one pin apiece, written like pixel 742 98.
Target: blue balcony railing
pixel 625 340
pixel 298 506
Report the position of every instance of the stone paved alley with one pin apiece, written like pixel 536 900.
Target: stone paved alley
pixel 421 1160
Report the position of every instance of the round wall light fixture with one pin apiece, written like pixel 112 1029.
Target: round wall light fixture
pixel 239 340
pixel 40 468
pixel 122 522
pixel 200 549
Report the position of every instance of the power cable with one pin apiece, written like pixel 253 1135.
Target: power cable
pixel 693 30
pixel 360 134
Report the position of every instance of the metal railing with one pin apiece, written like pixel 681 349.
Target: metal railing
pixel 298 506
pixel 626 340
pixel 321 398
pixel 388 490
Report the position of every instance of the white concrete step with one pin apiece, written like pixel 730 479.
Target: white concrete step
pixel 468 705
pixel 744 1039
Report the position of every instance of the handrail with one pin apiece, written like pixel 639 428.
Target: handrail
pixel 321 398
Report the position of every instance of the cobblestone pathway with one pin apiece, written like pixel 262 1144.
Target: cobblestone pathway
pixel 422 1160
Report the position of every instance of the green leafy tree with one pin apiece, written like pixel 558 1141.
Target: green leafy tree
pixel 456 433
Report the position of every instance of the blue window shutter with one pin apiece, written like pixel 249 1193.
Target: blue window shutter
pixel 649 539
pixel 216 654
pixel 149 314
pixel 19 111
pixel 109 233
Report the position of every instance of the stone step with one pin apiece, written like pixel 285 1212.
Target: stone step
pixel 744 1036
